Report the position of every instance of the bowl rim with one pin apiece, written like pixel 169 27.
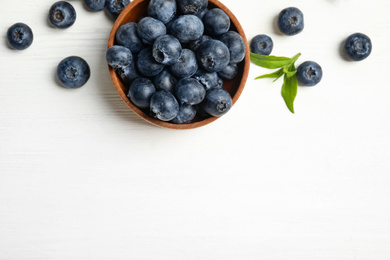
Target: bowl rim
pixel 116 81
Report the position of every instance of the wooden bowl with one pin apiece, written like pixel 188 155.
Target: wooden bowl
pixel 137 9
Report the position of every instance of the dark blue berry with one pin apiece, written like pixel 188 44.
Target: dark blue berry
pixel 149 29
pixel 209 80
pixel 194 7
pixel 140 92
pixel 20 36
pixel 73 72
pixel 115 7
pixel 290 21
pixel 358 46
pixel 127 36
pixel 163 10
pixel 190 91
pixel 262 44
pixel 213 55
pixel 167 49
pixel 216 22
pixel 95 5
pixel 235 44
pixel 164 106
pixel 194 45
pixel 217 102
pixel 186 66
pixel 118 56
pixel 187 28
pixel 165 81
pixel 229 72
pixel 62 15
pixel 185 115
pixel 147 65
pixel 128 74
pixel 309 73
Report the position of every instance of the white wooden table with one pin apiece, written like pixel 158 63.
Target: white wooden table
pixel 82 177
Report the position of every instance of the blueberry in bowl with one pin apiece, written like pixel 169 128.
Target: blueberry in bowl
pixel 183 96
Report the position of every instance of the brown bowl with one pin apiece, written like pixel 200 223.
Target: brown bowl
pixel 137 9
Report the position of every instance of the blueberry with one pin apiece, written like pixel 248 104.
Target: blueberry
pixel 147 65
pixel 165 81
pixel 229 72
pixel 128 74
pixel 190 91
pixel 358 46
pixel 186 66
pixel 115 7
pixel 163 10
pixel 235 44
pixel 149 29
pixel 73 72
pixel 187 28
pixel 164 106
pixel 185 115
pixel 213 55
pixel 167 49
pixel 194 45
pixel 62 15
pixel 20 36
pixel 217 102
pixel 127 36
pixel 216 22
pixel 290 21
pixel 118 56
pixel 309 73
pixel 95 5
pixel 140 92
pixel 262 44
pixel 194 7
pixel 209 80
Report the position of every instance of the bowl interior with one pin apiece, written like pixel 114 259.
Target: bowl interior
pixel 133 13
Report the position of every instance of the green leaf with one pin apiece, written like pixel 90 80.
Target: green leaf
pixel 289 91
pixel 277 74
pixel 269 62
pixel 286 70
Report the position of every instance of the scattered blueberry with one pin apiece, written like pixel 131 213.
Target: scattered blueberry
pixel 290 21
pixel 358 46
pixel 194 45
pixel 163 10
pixel 140 92
pixel 127 36
pixel 229 72
pixel 147 65
pixel 165 81
pixel 164 106
pixel 194 7
pixel 185 115
pixel 62 15
pixel 167 49
pixel 309 73
pixel 128 74
pixel 73 72
pixel 235 44
pixel 216 22
pixel 20 36
pixel 190 91
pixel 187 28
pixel 217 102
pixel 186 66
pixel 213 55
pixel 95 5
pixel 115 7
pixel 118 56
pixel 262 44
pixel 209 80
pixel 149 29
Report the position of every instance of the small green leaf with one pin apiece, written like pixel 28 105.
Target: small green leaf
pixel 288 71
pixel 289 91
pixel 277 74
pixel 269 62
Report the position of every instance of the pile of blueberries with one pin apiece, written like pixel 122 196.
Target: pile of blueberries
pixel 175 59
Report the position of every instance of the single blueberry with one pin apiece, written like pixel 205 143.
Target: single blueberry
pixel 128 74
pixel 229 72
pixel 209 80
pixel 216 22
pixel 163 10
pixel 140 92
pixel 185 115
pixel 95 5
pixel 262 44
pixel 165 81
pixel 187 28
pixel 147 65
pixel 62 15
pixel 115 7
pixel 127 36
pixel 149 29
pixel 194 45
pixel 186 66
pixel 164 106
pixel 118 56
pixel 194 7
pixel 290 21
pixel 358 46
pixel 167 49
pixel 190 91
pixel 20 36
pixel 73 72
pixel 217 102
pixel 309 73
pixel 235 44
pixel 213 55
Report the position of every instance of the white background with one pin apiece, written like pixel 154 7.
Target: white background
pixel 82 177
